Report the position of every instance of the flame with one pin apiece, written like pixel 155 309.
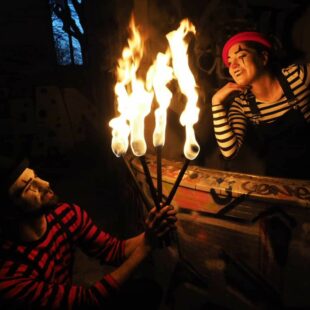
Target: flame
pixel 187 84
pixel 134 101
pixel 158 76
pixel 134 98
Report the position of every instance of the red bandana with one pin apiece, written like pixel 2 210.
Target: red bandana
pixel 242 37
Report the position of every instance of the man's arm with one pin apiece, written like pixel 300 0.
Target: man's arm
pixel 22 292
pixel 157 223
pixel 19 288
pixel 135 258
pixel 132 243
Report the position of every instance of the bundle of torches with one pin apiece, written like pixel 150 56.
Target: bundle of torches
pixel 135 97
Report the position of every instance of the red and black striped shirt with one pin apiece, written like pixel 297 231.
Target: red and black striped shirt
pixel 39 274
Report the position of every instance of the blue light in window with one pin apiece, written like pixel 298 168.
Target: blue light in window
pixel 67 54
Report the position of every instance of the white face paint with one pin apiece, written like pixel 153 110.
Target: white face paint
pixel 245 65
pixel 30 192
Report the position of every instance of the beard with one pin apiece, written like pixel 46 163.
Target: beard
pixel 45 208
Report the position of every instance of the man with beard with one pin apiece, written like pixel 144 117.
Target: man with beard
pixel 38 239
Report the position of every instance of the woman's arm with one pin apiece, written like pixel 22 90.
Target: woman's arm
pixel 229 128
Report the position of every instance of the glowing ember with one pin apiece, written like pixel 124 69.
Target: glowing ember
pixel 187 84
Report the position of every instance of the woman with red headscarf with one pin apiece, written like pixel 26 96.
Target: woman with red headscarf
pixel 276 101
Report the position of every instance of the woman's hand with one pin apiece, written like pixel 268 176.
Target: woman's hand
pixel 159 222
pixel 228 89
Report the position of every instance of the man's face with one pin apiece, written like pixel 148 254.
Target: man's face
pixel 245 65
pixel 32 193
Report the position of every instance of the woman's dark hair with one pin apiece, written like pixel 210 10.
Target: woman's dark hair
pixel 275 60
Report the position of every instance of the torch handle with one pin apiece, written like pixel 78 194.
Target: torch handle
pixel 170 238
pixel 159 172
pixel 142 194
pixel 177 182
pixel 149 181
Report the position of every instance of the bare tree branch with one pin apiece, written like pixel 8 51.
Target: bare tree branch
pixel 69 24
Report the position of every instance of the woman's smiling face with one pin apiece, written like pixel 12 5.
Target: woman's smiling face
pixel 245 64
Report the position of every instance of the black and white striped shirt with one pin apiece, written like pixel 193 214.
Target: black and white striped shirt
pixel 230 127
